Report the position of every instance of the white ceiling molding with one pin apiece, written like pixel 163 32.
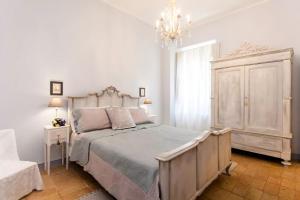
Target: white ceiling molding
pixel 226 14
pixel 202 11
pixel 120 8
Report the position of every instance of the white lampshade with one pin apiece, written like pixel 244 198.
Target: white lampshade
pixel 56 102
pixel 147 101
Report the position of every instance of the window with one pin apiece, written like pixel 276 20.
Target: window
pixel 193 86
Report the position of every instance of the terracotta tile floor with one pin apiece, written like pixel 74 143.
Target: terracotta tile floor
pixel 255 178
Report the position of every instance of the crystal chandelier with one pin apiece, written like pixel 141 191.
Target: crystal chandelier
pixel 171 26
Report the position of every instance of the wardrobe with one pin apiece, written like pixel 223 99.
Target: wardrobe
pixel 251 94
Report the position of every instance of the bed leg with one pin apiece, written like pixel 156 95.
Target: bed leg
pixel 286 163
pixel 227 170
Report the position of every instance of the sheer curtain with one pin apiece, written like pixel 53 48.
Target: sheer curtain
pixel 193 88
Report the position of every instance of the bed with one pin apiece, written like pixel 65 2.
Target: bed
pixel 149 161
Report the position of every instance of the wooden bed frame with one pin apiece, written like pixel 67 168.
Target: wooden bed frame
pixel 184 172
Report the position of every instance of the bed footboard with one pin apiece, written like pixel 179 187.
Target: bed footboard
pixel 186 171
pixel 224 137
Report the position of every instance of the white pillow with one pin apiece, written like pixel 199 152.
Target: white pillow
pixel 120 118
pixel 89 119
pixel 139 116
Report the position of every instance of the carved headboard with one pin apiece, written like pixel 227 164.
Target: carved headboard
pixel 109 97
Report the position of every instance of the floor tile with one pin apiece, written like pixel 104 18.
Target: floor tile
pixel 287 193
pixel 267 196
pixel 241 189
pixel 271 188
pixel 274 180
pixel 258 184
pixel 253 194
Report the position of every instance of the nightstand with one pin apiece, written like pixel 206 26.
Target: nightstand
pixel 154 118
pixel 56 135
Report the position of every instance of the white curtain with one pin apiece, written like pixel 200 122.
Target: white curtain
pixel 193 88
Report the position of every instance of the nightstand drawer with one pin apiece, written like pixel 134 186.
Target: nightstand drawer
pixel 53 137
pixel 56 134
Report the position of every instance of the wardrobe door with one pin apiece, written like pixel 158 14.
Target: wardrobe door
pixel 264 98
pixel 229 98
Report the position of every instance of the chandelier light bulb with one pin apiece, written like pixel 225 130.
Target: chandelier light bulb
pixel 167 28
pixel 188 18
pixel 157 24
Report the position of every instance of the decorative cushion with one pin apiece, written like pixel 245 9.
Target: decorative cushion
pixel 89 119
pixel 139 116
pixel 120 118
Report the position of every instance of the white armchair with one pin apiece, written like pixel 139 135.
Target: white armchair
pixel 17 178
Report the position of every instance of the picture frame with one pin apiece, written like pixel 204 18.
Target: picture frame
pixel 142 92
pixel 56 88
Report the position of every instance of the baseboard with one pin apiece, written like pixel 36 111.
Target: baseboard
pixel 53 163
pixel 295 156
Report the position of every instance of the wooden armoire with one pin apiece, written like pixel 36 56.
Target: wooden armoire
pixel 251 93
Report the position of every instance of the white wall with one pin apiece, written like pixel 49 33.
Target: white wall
pixel 86 44
pixel 274 23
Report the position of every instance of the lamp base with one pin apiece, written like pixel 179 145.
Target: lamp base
pixel 145 107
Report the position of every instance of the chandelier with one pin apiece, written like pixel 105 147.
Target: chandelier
pixel 171 26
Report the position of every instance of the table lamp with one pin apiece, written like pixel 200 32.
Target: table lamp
pixel 146 103
pixel 55 103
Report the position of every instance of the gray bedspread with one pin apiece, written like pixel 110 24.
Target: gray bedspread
pixel 132 151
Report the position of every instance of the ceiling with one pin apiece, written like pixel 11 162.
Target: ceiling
pixel 200 10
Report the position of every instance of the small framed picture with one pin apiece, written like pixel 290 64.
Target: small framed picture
pixel 56 88
pixel 142 92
